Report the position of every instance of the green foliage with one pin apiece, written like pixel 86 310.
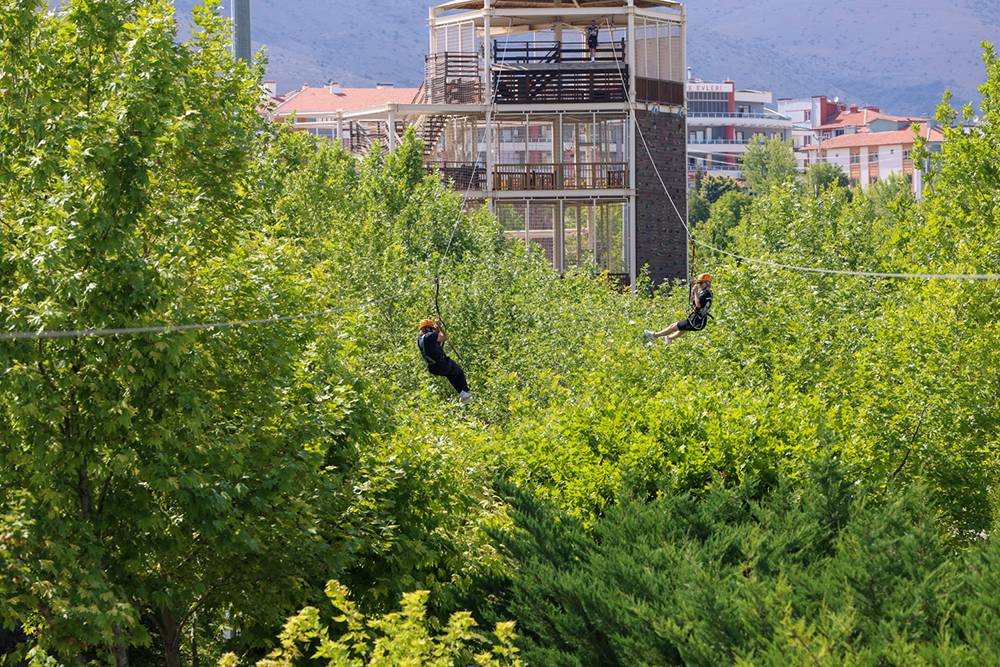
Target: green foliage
pixel 816 571
pixel 698 208
pixel 398 639
pixel 724 216
pixel 768 163
pixel 713 187
pixel 823 175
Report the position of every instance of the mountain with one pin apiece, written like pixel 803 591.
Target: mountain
pixel 897 54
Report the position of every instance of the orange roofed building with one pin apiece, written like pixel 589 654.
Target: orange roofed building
pixel 320 110
pixel 868 155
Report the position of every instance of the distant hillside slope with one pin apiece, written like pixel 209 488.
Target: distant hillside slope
pixel 899 54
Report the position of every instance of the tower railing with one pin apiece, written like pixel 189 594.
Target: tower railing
pixel 453 78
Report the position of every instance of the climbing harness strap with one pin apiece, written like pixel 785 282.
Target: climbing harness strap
pixel 420 344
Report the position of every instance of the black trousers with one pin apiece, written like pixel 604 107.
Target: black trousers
pixel 449 369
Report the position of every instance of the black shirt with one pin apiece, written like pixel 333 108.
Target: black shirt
pixel 705 297
pixel 430 348
pixel 592 37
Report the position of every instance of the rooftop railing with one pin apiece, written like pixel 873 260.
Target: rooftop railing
pixel 533 53
pixel 453 78
pixel 713 142
pixel 763 116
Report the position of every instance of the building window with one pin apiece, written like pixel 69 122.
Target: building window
pixel 838 133
pixel 872 180
pixel 807 115
pixel 323 132
pixel 873 157
pixel 807 140
pixel 906 154
pixel 855 158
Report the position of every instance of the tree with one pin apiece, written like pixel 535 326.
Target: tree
pixel 149 480
pixel 823 175
pixel 399 638
pixel 713 187
pixel 697 208
pixel 768 571
pixel 724 216
pixel 768 162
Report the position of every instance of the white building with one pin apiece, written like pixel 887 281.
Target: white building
pixel 721 121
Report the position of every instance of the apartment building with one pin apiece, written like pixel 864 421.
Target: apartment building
pixel 535 108
pixel 807 114
pixel 870 154
pixel 817 119
pixel 721 120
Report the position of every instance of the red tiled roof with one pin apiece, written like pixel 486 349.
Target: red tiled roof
pixel 348 99
pixel 893 138
pixel 860 118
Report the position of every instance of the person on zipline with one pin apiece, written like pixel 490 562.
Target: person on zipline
pixel 431 343
pixel 701 301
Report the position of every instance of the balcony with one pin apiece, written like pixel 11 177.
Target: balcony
pixel 462 175
pixel 568 176
pixel 749 120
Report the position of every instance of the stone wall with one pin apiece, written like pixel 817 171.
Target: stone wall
pixel 661 241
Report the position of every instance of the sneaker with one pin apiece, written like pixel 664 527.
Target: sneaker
pixel 464 396
pixel 650 335
pixel 667 340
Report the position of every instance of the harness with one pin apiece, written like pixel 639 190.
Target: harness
pixel 427 359
pixel 698 317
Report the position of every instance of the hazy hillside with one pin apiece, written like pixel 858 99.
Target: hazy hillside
pixel 900 54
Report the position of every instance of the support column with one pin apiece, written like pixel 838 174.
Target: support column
pixel 557 153
pixel 488 53
pixel 488 99
pixel 242 49
pixel 630 60
pixel 392 127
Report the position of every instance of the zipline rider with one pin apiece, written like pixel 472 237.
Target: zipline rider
pixel 431 344
pixel 701 302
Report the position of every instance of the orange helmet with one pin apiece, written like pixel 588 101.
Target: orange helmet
pixel 705 278
pixel 426 323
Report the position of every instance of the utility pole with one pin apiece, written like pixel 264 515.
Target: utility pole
pixel 241 32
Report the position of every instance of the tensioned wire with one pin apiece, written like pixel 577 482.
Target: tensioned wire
pixel 177 328
pixel 763 262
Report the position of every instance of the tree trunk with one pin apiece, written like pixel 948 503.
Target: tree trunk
pixel 171 636
pixel 120 650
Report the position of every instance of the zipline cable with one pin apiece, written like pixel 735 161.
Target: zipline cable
pixel 177 328
pixel 763 262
